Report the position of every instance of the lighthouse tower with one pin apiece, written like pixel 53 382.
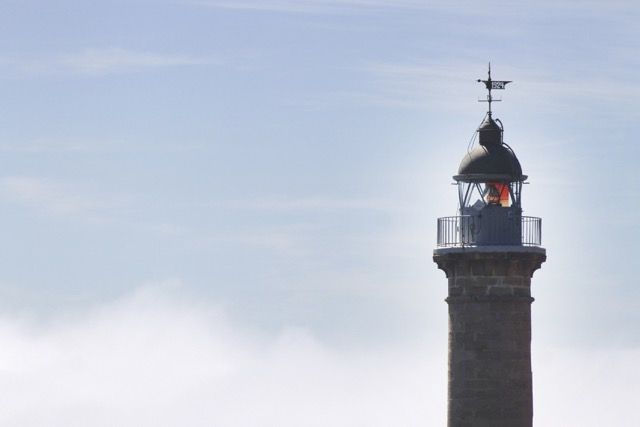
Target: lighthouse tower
pixel 489 252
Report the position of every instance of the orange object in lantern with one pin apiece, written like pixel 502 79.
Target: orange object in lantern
pixel 498 193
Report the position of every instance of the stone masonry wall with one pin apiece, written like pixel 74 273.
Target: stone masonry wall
pixel 490 380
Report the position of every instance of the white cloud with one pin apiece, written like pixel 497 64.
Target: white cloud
pixel 574 387
pixel 155 359
pixel 152 360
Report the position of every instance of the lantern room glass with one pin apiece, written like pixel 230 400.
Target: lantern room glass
pixel 491 192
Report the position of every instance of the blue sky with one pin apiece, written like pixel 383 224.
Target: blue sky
pixel 258 182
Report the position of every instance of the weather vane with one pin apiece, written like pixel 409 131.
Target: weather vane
pixel 492 84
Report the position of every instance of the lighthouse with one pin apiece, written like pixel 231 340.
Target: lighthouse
pixel 489 252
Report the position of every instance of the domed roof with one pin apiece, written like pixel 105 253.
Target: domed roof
pixel 492 159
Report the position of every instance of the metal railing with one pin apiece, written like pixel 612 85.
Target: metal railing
pixel 470 230
pixel 531 231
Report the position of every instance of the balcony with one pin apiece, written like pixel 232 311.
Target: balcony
pixel 488 230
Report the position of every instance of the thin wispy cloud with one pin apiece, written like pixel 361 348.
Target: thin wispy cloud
pixel 50 197
pixel 423 85
pixel 312 6
pixel 410 84
pixel 491 9
pixel 317 204
pixel 114 60
pixel 76 145
pixel 99 62
pixel 57 199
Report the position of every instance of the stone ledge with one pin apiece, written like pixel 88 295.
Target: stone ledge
pixel 462 299
pixel 490 249
pixel 490 262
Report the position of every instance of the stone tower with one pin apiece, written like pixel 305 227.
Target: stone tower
pixel 489 253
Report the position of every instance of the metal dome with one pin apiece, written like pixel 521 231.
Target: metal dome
pixel 492 160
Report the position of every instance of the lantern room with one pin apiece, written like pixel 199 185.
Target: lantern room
pixel 489 181
pixel 490 174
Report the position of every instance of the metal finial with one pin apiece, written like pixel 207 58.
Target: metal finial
pixel 492 84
